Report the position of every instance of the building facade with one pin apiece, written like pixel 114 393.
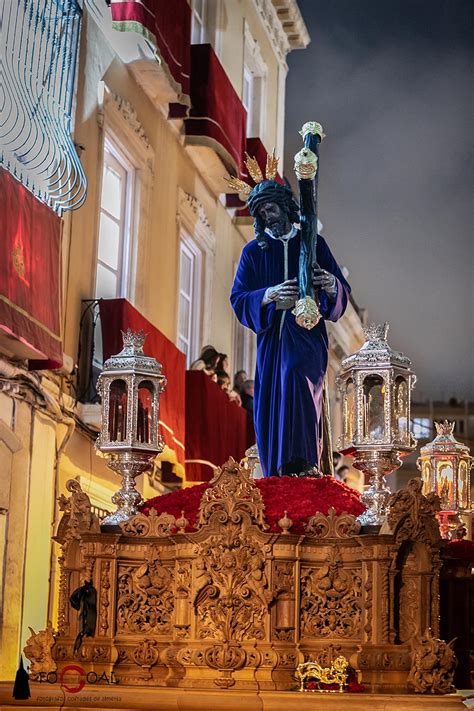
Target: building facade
pixel 141 125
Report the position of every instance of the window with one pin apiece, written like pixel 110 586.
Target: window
pixel 189 307
pixel 207 22
pixel 198 21
pixel 113 255
pixel 244 349
pixel 253 85
pixel 421 427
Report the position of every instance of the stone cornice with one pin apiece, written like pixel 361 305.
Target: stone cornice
pixel 292 22
pixel 284 25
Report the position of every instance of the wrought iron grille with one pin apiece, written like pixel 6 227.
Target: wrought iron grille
pixel 39 40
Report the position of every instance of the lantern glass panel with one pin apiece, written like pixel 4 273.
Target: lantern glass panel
pixel 118 399
pixel 400 410
pixel 143 425
pixel 463 483
pixel 374 406
pixel 445 483
pixel 426 477
pixel 349 411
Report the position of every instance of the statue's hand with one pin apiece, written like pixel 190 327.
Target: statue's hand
pixel 286 291
pixel 326 281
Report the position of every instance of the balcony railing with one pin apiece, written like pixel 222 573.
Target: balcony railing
pixel 40 41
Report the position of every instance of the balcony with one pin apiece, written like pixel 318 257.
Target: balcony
pixel 153 37
pixel 29 277
pixel 215 127
pixel 216 428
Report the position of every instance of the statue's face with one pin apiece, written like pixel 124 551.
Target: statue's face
pixel 274 218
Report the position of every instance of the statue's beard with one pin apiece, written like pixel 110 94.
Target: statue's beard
pixel 279 228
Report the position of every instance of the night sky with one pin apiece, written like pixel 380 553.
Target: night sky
pixel 390 80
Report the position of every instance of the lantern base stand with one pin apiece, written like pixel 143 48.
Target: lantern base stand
pixel 128 465
pixel 451 525
pixel 375 498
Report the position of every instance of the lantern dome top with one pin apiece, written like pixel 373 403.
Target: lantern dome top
pixel 375 352
pixel 131 357
pixel 444 441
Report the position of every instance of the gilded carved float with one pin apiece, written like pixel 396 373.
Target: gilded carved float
pixel 233 605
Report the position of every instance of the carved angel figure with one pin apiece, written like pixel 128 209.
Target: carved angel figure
pixel 38 650
pixel 433 666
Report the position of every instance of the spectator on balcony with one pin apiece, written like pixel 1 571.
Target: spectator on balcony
pixel 223 380
pixel 239 379
pixel 207 361
pixel 223 364
pixel 246 394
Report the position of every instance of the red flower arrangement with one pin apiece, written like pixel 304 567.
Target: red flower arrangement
pixel 300 497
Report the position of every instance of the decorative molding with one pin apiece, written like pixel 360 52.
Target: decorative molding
pixel 292 22
pixel 273 27
pixel 253 53
pixel 130 116
pixel 191 212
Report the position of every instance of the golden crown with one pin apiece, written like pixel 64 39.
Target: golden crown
pixel 243 188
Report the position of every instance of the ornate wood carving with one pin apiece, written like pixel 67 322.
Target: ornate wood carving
pixel 38 649
pixel 230 494
pixel 433 666
pixel 332 525
pixel 412 515
pixel 331 599
pixel 233 605
pixel 152 525
pixel 145 597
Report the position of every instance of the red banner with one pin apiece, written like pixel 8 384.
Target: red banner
pixel 117 315
pixel 30 245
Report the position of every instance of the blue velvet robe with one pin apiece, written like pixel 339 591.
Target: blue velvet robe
pixel 291 361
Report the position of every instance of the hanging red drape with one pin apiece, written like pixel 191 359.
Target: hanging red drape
pixel 30 244
pixel 216 428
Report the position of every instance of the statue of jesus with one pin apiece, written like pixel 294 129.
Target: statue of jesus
pixel 291 360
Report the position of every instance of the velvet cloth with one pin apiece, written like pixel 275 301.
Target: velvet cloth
pixel 217 118
pixel 291 361
pixel 30 257
pixel 216 428
pixel 117 315
pixel 167 26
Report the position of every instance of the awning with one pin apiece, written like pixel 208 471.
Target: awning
pixel 117 315
pixel 167 26
pixel 217 117
pixel 30 253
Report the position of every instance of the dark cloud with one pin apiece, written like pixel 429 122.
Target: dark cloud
pixel 391 83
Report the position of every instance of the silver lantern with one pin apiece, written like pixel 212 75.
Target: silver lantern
pixel 376 384
pixel 445 466
pixel 130 385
